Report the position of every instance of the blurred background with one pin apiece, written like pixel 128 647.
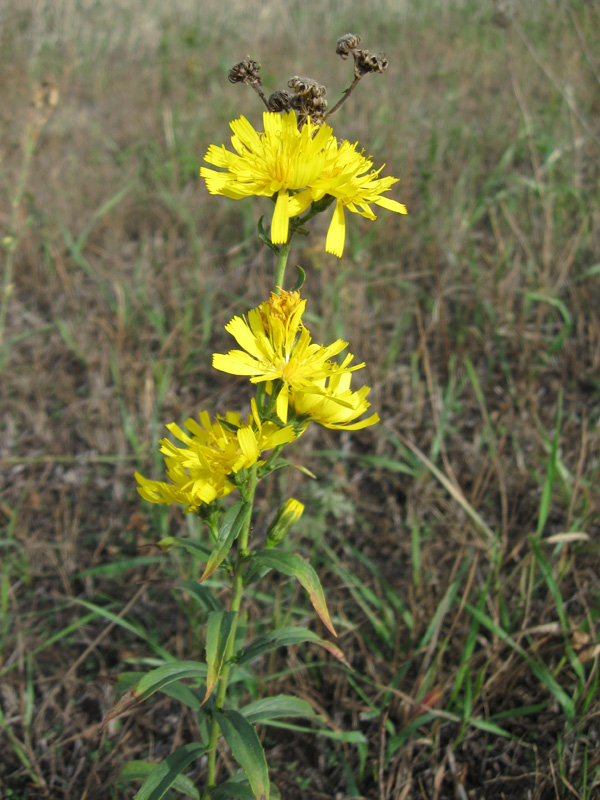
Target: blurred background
pixel 457 540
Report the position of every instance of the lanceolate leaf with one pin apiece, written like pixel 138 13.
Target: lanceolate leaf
pixel 164 775
pixel 237 787
pixel 282 705
pixel 246 749
pixel 287 636
pixel 140 770
pixel 234 789
pixel 161 676
pixel 201 593
pixel 154 681
pixel 218 632
pixel 291 564
pixel 229 530
pixel 197 549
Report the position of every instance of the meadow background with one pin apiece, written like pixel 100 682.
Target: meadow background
pixel 457 540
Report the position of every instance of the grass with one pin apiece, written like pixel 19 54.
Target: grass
pixel 457 539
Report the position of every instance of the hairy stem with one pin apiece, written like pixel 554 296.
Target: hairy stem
pixel 237 588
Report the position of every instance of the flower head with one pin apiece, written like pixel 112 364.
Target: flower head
pixel 280 161
pixel 199 472
pixel 335 405
pixel 280 349
pixel 348 177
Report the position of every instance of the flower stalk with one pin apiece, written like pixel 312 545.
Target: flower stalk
pixel 282 259
pixel 237 589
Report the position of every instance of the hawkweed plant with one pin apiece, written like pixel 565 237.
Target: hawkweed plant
pixel 297 162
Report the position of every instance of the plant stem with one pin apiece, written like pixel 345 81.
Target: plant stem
pixel 282 258
pixel 237 587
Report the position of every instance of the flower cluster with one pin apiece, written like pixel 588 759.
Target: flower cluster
pixel 303 383
pixel 200 472
pixel 297 168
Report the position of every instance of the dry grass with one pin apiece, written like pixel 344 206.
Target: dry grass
pixel 475 658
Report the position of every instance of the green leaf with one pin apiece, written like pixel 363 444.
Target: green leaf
pixel 169 673
pixel 265 239
pixel 140 770
pixel 246 749
pixel 194 548
pixel 236 787
pixel 203 595
pixel 218 632
pixel 300 280
pixel 229 530
pixel 291 564
pixel 281 705
pixel 286 636
pixel 155 681
pixel 164 775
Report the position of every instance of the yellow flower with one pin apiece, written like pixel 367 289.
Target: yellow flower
pixel 279 161
pixel 335 405
pixel 280 350
pixel 349 177
pixel 199 471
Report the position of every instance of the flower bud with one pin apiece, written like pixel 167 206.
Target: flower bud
pixel 287 516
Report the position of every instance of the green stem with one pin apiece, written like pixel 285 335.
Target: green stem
pixel 237 586
pixel 282 258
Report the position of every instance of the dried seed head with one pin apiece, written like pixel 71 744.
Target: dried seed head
pixel 318 106
pixel 308 99
pixel 245 71
pixel 365 62
pixel 296 102
pixel 280 100
pixel 347 43
pixel 307 86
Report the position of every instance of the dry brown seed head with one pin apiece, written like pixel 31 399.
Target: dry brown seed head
pixel 245 71
pixel 306 86
pixel 280 100
pixel 347 43
pixel 365 62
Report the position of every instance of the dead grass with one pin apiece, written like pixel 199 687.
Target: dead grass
pixel 475 663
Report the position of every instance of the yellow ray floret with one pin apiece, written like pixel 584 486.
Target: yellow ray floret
pixel 280 161
pixel 199 472
pixel 280 350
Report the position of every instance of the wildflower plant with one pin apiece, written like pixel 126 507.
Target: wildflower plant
pixel 298 163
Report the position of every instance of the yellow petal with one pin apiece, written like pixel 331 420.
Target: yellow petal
pixel 337 232
pixel 281 219
pixel 299 202
pixel 282 404
pixel 391 205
